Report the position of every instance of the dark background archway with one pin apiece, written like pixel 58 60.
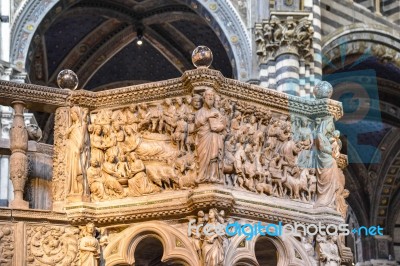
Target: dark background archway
pixel 266 252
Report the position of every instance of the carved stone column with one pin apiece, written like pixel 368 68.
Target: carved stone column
pixel 18 159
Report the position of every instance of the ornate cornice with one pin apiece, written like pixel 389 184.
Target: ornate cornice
pixel 32 215
pixel 184 203
pixel 41 98
pixel 37 98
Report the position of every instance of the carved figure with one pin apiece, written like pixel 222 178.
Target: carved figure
pixel 305 141
pixel 196 238
pixel 168 118
pixel 95 181
pixel 212 249
pixel 179 135
pixel 112 187
pixel 190 137
pixel 6 246
pixel 76 159
pixel 328 171
pixel 264 187
pixel 209 124
pixel 229 160
pixel 89 247
pixel 336 144
pixel 328 251
pixel 34 132
pixel 96 144
pixel 277 177
pixel 197 102
pixel 139 183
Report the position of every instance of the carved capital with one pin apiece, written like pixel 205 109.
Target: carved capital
pixel 284 34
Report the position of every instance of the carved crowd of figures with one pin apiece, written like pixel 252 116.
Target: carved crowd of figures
pixel 205 138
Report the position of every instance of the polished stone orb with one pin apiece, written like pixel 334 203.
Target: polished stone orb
pixel 67 79
pixel 202 57
pixel 323 90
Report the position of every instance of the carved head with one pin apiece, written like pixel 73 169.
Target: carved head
pixel 75 113
pixel 304 122
pixel 336 134
pixel 122 157
pixel 132 156
pixel 97 130
pixel 212 214
pixel 209 97
pixel 197 101
pixel 90 229
pixel 133 108
pixel 94 162
pixel 191 118
pixel 217 103
pixel 320 238
pixel 188 100
pixel 179 101
pixel 168 102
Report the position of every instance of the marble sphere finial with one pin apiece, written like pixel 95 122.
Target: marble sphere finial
pixel 202 57
pixel 323 90
pixel 67 79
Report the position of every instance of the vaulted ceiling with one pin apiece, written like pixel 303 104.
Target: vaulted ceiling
pixel 97 40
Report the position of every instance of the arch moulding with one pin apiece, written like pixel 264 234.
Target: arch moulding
pixel 369 40
pixel 176 245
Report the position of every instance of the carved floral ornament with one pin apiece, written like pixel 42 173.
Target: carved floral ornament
pixel 283 34
pixel 182 142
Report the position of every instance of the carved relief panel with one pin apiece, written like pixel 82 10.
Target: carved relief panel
pixel 178 143
pixel 52 245
pixel 7 244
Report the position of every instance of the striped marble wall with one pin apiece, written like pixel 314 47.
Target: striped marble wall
pixel 338 13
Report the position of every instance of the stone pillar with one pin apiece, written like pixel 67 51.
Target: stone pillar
pixel 285 50
pixel 18 159
pixel 287 72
